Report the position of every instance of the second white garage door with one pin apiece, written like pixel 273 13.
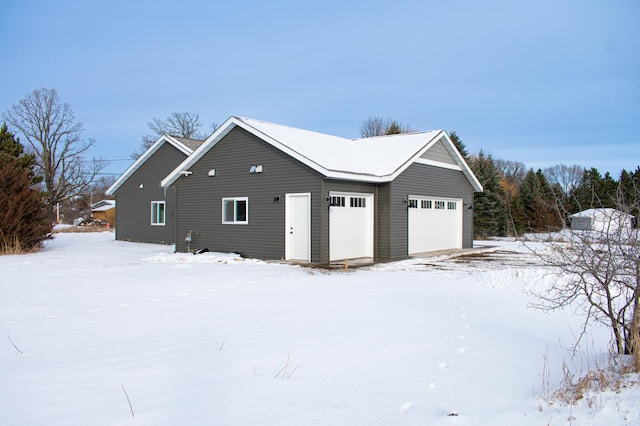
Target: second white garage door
pixel 350 225
pixel 434 224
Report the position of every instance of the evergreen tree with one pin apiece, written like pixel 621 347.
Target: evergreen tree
pixel 24 222
pixel 394 128
pixel 595 191
pixel 11 148
pixel 490 213
pixel 460 146
pixel 537 204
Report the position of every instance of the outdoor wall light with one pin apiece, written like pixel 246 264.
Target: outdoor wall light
pixel 141 186
pixel 211 172
pixel 256 169
pixel 276 199
pixel 404 202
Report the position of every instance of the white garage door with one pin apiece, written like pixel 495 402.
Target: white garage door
pixel 350 225
pixel 434 224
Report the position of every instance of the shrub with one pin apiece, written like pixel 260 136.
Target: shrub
pixel 24 223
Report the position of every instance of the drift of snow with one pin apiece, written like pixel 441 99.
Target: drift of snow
pixel 215 339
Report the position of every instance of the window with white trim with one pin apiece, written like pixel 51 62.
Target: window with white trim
pixel 413 204
pixel 235 210
pixel 452 205
pixel 439 205
pixel 426 204
pixel 158 213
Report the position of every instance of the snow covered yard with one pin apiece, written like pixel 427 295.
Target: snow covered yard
pixel 216 340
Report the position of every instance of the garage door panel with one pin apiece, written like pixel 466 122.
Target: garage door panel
pixel 434 224
pixel 350 226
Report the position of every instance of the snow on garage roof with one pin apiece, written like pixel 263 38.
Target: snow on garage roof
pixel 377 159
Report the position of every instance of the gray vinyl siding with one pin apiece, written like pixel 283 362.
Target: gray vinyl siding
pixel 438 152
pixel 199 198
pixel 133 211
pixel 383 222
pixel 424 180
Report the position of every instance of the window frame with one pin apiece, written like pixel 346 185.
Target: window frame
pixel 235 201
pixel 155 219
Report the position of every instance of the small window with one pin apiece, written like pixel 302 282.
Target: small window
pixel 413 204
pixel 358 202
pixel 452 205
pixel 426 204
pixel 235 210
pixel 439 205
pixel 336 201
pixel 158 213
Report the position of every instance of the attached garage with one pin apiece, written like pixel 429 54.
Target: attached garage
pixel 350 226
pixel 434 224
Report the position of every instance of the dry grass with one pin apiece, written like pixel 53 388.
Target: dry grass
pixel 14 246
pixel 82 229
pixel 614 378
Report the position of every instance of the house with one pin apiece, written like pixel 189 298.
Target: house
pixel 104 210
pixel 601 220
pixel 146 211
pixel 270 191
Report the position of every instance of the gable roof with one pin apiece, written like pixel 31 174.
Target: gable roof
pixel 376 159
pixel 184 145
pixel 103 205
pixel 601 212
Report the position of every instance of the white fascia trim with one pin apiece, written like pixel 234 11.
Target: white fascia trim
pixel 209 143
pixel 144 157
pixel 283 147
pixel 453 151
pixel 439 164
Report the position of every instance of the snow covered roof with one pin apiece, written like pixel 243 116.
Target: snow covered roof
pixel 377 159
pixel 103 205
pixel 606 212
pixel 187 146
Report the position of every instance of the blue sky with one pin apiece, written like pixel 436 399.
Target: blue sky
pixel 542 82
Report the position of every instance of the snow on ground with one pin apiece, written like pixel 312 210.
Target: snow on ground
pixel 214 339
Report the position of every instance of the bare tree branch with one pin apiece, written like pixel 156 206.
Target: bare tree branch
pixel 55 138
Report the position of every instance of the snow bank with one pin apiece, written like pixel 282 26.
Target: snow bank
pixel 215 339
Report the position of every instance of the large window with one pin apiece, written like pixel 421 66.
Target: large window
pixel 158 213
pixel 235 210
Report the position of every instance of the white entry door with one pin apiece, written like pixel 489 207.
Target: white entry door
pixel 434 224
pixel 298 227
pixel 350 225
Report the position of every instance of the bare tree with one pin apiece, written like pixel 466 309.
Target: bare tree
pixel 55 138
pixel 378 126
pixel 180 124
pixel 566 177
pixel 601 267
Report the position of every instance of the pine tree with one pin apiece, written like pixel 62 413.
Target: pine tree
pixel 460 146
pixel 11 148
pixel 536 204
pixel 595 191
pixel 24 222
pixel 490 213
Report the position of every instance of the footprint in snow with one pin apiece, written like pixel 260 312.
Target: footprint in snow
pixel 407 406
